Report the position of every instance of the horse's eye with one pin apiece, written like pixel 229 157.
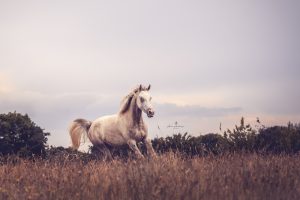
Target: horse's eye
pixel 142 99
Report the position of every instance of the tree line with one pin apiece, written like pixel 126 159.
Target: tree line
pixel 19 135
pixel 243 138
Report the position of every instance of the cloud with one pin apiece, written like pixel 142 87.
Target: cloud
pixel 169 109
pixel 55 111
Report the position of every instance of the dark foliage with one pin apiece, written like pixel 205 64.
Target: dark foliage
pixel 192 146
pixel 19 135
pixel 243 138
pixel 279 139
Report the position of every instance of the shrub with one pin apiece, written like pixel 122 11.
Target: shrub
pixel 19 135
pixel 242 137
pixel 215 143
pixel 185 143
pixel 279 139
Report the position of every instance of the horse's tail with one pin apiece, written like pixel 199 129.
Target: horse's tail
pixel 79 128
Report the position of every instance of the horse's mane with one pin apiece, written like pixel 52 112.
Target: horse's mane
pixel 125 103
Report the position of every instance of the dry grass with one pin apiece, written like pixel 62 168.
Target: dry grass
pixel 167 177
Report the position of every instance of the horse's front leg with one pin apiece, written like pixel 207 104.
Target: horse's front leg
pixel 150 150
pixel 132 145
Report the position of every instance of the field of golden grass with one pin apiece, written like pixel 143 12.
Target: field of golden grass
pixel 169 176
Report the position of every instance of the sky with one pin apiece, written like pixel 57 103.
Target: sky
pixel 209 62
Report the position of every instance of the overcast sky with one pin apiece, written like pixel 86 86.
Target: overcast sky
pixel 208 61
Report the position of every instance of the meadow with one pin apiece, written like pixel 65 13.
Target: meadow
pixel 169 176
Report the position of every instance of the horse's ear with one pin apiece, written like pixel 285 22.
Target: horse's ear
pixel 149 87
pixel 141 87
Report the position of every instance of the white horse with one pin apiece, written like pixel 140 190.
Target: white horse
pixel 125 127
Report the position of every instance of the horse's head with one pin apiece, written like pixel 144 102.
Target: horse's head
pixel 143 100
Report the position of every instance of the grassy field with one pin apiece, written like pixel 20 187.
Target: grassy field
pixel 170 176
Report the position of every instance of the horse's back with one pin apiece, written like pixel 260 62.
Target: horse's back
pixel 106 130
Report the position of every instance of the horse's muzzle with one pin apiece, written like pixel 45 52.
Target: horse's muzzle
pixel 150 113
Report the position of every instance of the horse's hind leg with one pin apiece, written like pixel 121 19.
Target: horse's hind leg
pixel 108 155
pixel 106 152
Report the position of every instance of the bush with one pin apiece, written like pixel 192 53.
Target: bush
pixel 215 143
pixel 178 143
pixel 19 135
pixel 191 145
pixel 241 138
pixel 279 139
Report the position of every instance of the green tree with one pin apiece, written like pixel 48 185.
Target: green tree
pixel 19 135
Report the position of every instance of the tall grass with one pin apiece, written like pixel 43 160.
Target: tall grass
pixel 169 176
